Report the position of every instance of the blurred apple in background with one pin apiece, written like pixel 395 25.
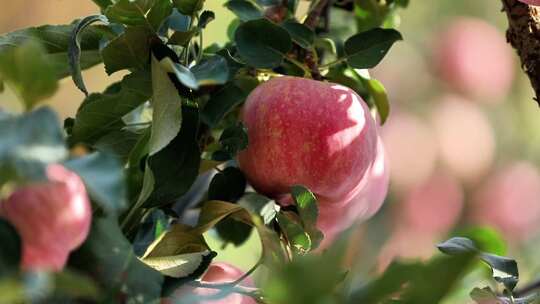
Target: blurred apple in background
pixel 472 57
pixel 531 2
pixel 411 148
pixel 510 201
pixel 465 136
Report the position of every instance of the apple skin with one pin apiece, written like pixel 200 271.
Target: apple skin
pixel 52 218
pixel 368 200
pixel 301 131
pixel 508 201
pixel 472 57
pixel 217 273
pixel 530 2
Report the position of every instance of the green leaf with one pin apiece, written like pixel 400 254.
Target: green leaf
pixel 233 140
pixel 205 18
pixel 297 237
pixel 300 33
pixel 232 231
pixel 28 143
pixel 118 142
pixel 103 4
pixel 365 50
pixel 128 51
pixel 261 43
pixel 188 7
pixel 245 10
pixel 107 256
pixel 74 52
pixel 260 205
pixel 178 253
pixel 308 209
pixel 505 270
pixel 167 109
pixel 222 102
pixel 175 167
pixel 211 71
pixel 129 12
pixel 104 180
pixel 378 92
pixel 102 113
pixel 159 12
pixel 227 185
pixel 11 254
pixel 27 70
pixel 56 39
pixel 74 285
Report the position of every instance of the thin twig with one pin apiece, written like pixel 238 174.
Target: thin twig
pixel 314 14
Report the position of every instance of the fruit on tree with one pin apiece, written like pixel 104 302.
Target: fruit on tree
pixel 52 218
pixel 472 57
pixel 370 197
pixel 217 273
pixel 301 131
pixel 411 148
pixel 531 2
pixel 465 137
pixel 508 200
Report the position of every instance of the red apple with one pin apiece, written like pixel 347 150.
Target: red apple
pixel 370 197
pixel 301 131
pixel 472 57
pixel 509 201
pixel 218 273
pixel 52 218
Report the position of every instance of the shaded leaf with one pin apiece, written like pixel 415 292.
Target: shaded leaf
pixel 74 52
pixel 129 50
pixel 297 237
pixel 245 10
pixel 159 12
pixel 221 103
pixel 300 33
pixel 188 7
pixel 11 253
pixel 104 180
pixel 262 50
pixel 308 209
pixel 211 71
pixel 129 12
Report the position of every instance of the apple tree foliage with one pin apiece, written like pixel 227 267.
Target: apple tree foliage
pixel 146 146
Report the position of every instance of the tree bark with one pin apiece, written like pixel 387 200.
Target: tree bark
pixel 524 35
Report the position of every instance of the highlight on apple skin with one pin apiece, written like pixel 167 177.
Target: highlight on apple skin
pixel 217 273
pixel 53 218
pixel 301 131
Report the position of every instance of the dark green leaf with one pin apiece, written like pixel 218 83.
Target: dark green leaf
pixel 205 18
pixel 300 33
pixel 505 270
pixel 161 10
pixel 129 50
pixel 232 231
pixel 221 103
pixel 129 12
pixel 228 185
pixel 74 285
pixel 261 43
pixel 234 139
pixel 11 253
pixel 152 226
pixel 176 167
pixel 308 209
pixel 118 142
pixel 103 4
pixel 365 50
pixel 104 180
pixel 297 237
pixel 102 113
pixel 188 7
pixel 28 71
pixel 74 52
pixel 108 256
pixel 245 10
pixel 259 205
pixel 56 39
pixel 211 71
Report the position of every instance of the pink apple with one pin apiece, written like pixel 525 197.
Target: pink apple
pixel 509 201
pixel 368 200
pixel 531 2
pixel 465 137
pixel 52 217
pixel 301 131
pixel 218 273
pixel 472 57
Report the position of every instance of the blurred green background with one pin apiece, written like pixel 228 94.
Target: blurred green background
pixel 461 156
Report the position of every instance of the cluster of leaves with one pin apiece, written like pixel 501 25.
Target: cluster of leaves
pixel 156 149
